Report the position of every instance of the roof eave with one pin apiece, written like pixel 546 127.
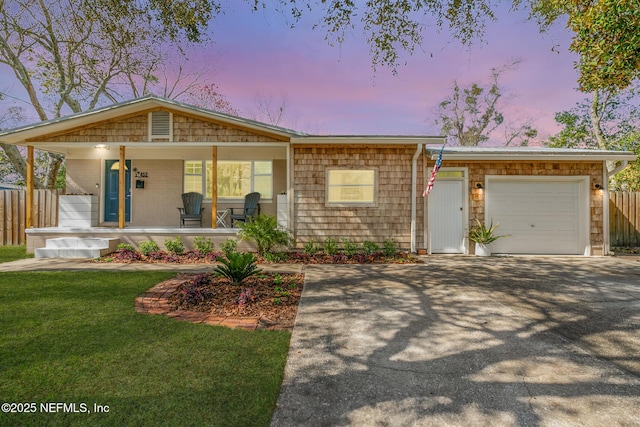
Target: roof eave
pixel 19 136
pixel 367 139
pixel 596 156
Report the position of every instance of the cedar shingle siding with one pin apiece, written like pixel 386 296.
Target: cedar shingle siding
pixel 390 219
pixel 136 129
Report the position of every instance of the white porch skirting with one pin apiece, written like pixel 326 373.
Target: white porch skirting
pixel 37 237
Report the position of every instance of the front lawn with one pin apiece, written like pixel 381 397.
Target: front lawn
pixel 72 343
pixel 13 253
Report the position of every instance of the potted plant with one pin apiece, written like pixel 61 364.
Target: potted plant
pixel 482 236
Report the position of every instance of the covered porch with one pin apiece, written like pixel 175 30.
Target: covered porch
pixel 136 159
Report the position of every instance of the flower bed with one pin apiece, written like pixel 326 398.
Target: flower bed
pixel 127 255
pixel 272 297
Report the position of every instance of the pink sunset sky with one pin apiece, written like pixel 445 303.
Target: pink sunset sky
pixel 334 90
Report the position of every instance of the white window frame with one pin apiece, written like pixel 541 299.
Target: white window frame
pixel 369 203
pixel 202 176
pixel 228 199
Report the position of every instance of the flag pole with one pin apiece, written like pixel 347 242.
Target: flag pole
pixel 434 172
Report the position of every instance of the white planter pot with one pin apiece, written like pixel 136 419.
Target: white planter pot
pixel 483 250
pixel 78 211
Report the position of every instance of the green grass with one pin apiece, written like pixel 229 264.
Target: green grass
pixel 13 253
pixel 74 337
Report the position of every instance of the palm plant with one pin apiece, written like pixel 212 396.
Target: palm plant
pixel 484 235
pixel 263 231
pixel 237 266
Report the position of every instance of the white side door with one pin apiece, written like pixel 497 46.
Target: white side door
pixel 447 210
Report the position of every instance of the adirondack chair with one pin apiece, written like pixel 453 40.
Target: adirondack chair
pixel 192 208
pixel 251 206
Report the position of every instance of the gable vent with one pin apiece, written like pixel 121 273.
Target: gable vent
pixel 160 125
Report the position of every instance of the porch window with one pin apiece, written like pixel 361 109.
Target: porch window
pixel 235 178
pixel 349 187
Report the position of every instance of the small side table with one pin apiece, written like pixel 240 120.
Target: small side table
pixel 221 218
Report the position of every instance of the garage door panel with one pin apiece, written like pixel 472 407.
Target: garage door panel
pixel 540 217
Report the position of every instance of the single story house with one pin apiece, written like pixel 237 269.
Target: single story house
pixel 138 157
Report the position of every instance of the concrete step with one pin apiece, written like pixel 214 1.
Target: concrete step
pixel 67 253
pixel 77 247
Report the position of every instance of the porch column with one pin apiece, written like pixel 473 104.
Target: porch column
pixel 121 189
pixel 214 187
pixel 30 184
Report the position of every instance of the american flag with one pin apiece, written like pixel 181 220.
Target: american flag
pixel 434 172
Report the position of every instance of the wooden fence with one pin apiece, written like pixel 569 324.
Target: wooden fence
pixel 13 213
pixel 624 218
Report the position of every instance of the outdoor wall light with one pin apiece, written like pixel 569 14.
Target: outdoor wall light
pixel 102 146
pixel 597 186
pixel 479 185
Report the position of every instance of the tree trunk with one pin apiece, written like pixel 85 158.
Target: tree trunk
pixel 53 166
pixel 15 158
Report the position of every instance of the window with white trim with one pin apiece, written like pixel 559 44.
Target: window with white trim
pixel 235 178
pixel 351 187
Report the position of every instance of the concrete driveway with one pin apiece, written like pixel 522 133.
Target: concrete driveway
pixel 462 341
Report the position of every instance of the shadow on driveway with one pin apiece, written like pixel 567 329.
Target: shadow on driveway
pixel 466 341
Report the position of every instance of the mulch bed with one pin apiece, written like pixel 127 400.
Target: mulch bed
pixel 271 297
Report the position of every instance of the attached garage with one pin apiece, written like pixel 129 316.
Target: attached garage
pixel 541 215
pixel 549 201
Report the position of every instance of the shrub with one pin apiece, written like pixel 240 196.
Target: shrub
pixel 310 248
pixel 203 245
pixel 369 247
pixel 147 247
pixel 389 248
pixel 237 266
pixel 126 253
pixel 264 232
pixel 330 246
pixel 229 246
pixel 126 247
pixel 174 246
pixel 350 248
pixel 275 257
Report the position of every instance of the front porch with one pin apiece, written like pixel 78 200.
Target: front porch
pixel 37 237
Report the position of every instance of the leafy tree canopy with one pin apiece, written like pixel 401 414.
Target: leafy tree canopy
pixel 606 32
pixel 608 121
pixel 607 38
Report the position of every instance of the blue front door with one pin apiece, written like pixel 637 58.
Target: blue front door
pixel 111 191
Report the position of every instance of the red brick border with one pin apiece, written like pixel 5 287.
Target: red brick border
pixel 156 301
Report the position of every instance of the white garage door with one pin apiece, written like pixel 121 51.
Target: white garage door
pixel 541 216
